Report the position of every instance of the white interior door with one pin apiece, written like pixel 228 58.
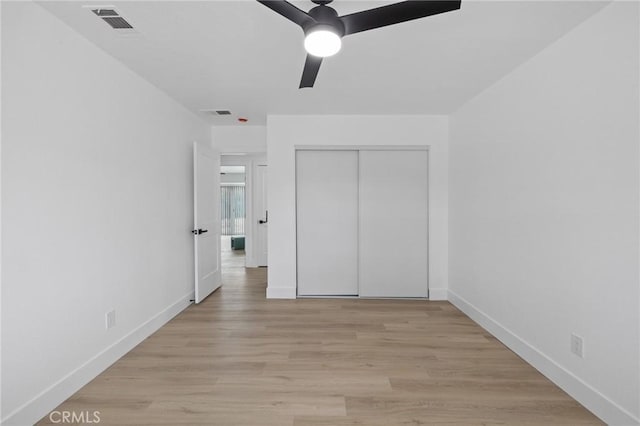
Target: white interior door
pixel 262 214
pixel 393 240
pixel 206 230
pixel 327 222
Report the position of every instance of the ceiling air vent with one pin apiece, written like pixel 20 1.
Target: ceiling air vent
pixel 117 23
pixel 221 113
pixel 113 18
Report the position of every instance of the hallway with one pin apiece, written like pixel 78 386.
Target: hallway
pixel 239 359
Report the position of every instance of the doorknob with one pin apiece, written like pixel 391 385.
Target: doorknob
pixel 266 218
pixel 199 231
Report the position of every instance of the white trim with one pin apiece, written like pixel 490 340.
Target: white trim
pixel 438 294
pixel 591 398
pixel 54 395
pixel 259 178
pixel 249 224
pixel 638 20
pixel 281 293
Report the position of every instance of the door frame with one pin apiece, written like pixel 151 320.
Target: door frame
pixel 259 215
pixel 368 148
pixel 250 162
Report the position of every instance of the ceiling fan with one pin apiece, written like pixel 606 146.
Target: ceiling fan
pixel 324 29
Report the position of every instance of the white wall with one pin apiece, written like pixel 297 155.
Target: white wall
pixel 96 208
pixel 242 138
pixel 286 132
pixel 544 217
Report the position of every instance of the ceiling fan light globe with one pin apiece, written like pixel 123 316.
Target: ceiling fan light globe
pixel 322 43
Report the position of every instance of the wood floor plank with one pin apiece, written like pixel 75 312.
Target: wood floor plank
pixel 238 359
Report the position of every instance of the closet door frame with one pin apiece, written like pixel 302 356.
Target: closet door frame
pixel 372 148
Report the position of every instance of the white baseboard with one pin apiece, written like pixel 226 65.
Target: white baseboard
pixel 53 396
pixel 592 399
pixel 290 293
pixel 438 294
pixel 281 293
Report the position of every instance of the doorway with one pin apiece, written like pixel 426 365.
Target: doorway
pixel 247 216
pixel 233 216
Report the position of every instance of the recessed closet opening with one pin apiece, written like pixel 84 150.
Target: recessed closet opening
pixel 362 222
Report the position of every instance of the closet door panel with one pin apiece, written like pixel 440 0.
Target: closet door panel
pixel 393 226
pixel 327 223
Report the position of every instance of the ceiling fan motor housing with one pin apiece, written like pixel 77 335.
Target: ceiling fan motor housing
pixel 325 18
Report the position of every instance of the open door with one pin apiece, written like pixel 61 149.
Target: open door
pixel 206 219
pixel 263 215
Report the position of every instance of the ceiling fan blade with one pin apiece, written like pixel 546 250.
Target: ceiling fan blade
pixel 310 72
pixel 289 11
pixel 395 14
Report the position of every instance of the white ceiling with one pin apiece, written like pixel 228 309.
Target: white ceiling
pixel 241 56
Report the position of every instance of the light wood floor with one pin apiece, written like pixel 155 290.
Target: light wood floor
pixel 238 359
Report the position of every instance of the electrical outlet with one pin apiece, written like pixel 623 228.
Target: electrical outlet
pixel 110 319
pixel 577 345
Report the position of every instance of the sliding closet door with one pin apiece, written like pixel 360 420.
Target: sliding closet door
pixel 393 224
pixel 327 222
